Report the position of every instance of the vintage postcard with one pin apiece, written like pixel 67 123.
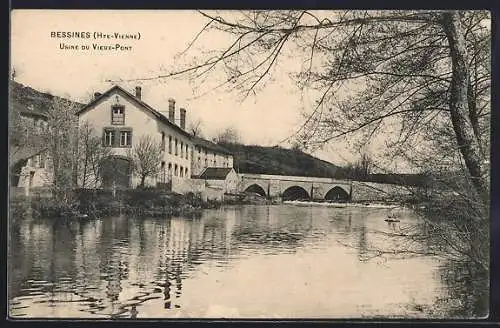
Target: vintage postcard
pixel 249 164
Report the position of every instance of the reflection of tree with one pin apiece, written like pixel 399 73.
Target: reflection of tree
pixel 362 243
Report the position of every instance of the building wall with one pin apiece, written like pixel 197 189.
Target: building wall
pixel 183 186
pixel 206 190
pixel 229 185
pixel 183 158
pixel 203 157
pixel 36 173
pixel 232 182
pixel 142 123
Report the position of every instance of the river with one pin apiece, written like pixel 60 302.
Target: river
pixel 252 261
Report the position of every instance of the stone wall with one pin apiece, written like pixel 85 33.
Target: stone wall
pixel 183 186
pixel 372 191
pixel 198 186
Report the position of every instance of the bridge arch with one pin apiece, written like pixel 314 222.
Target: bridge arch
pixel 337 194
pixel 255 188
pixel 295 193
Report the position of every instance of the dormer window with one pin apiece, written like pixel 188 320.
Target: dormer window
pixel 118 115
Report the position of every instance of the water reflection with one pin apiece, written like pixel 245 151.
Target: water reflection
pixel 135 267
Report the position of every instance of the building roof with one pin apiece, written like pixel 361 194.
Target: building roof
pixel 209 145
pixel 24 153
pixel 196 140
pixel 139 102
pixel 215 173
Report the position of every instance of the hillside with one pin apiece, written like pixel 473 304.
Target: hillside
pixel 280 161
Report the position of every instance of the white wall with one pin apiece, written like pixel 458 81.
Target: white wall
pixel 206 159
pixel 39 173
pixel 142 122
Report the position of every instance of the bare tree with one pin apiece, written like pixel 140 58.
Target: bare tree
pixel 60 138
pixel 146 156
pixel 90 153
pixel 195 127
pixel 361 169
pixel 227 135
pixel 411 72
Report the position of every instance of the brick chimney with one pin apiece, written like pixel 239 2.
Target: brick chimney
pixel 138 90
pixel 183 118
pixel 171 110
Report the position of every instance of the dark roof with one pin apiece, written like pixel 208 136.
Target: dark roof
pixel 215 173
pixel 209 145
pixel 23 153
pixel 138 101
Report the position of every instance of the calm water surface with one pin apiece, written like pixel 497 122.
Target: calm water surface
pixel 244 261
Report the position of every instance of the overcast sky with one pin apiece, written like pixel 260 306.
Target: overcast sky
pixel 265 119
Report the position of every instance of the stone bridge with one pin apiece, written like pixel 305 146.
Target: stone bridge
pixel 294 187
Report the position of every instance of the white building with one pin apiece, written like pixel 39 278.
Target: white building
pixel 123 118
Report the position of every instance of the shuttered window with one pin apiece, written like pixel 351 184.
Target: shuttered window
pixel 117 137
pixel 109 138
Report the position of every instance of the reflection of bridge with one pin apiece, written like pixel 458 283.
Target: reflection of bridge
pixel 293 187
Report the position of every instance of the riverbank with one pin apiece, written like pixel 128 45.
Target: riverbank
pixel 143 202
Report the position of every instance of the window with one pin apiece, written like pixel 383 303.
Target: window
pixel 163 141
pixel 109 138
pixel 175 170
pixel 186 174
pixel 187 152
pixel 114 137
pixel 42 160
pixel 181 171
pixel 206 162
pixel 118 115
pixel 170 144
pixel 182 149
pixel 125 138
pixel 176 148
pixel 162 172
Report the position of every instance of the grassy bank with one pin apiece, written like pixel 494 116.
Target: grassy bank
pixel 101 203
